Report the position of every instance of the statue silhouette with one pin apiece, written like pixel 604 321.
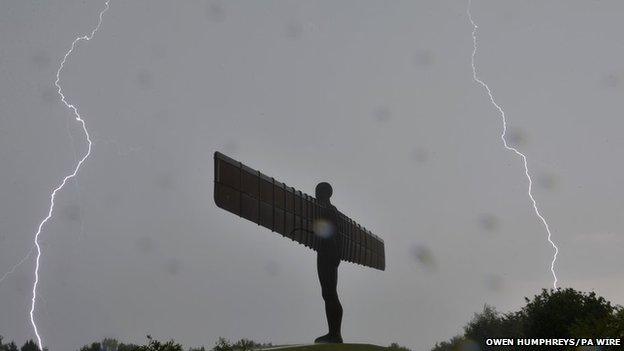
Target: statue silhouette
pixel 272 204
pixel 327 261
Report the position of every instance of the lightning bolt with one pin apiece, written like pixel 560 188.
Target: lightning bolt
pixel 10 271
pixel 522 156
pixel 67 177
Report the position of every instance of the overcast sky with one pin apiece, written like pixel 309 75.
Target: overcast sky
pixel 375 97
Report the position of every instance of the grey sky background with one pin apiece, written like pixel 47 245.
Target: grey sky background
pixel 375 97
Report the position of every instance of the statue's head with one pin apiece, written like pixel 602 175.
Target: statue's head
pixel 323 191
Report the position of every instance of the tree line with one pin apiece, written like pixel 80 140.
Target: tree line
pixel 552 314
pixel 110 344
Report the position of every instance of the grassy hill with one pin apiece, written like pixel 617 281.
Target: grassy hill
pixel 329 347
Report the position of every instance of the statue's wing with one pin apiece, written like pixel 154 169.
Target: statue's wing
pixel 261 199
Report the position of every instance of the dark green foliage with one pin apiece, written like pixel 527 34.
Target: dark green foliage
pixel 491 324
pixel 457 343
pixel 155 345
pixel 96 346
pixel 30 345
pixel 241 345
pixel 396 347
pixel 616 325
pixel 222 345
pixel 566 313
pixel 7 347
pixel 126 347
pixel 560 313
pixel 109 345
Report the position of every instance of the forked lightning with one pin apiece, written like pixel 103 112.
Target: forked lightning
pixel 524 158
pixel 67 177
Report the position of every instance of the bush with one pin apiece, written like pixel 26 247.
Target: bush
pixel 155 345
pixel 554 313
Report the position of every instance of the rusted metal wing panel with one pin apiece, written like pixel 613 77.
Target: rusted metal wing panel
pixel 252 195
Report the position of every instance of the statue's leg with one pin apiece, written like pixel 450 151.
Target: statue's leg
pixel 333 306
pixel 328 277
